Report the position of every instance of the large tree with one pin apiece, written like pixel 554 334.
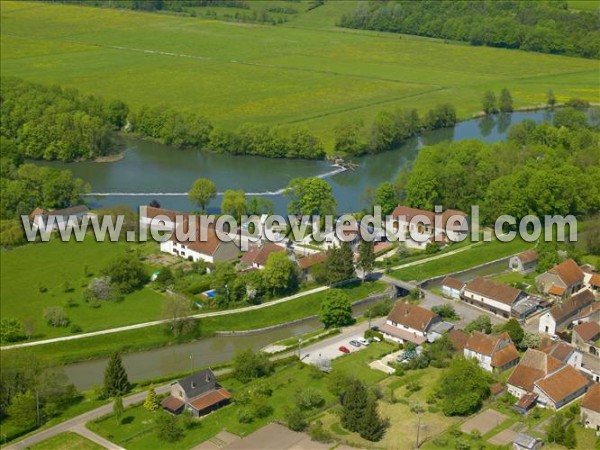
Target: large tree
pixel 177 311
pixel 489 103
pixel 234 203
pixel 23 409
pixel 202 192
pixel 366 257
pixel 387 197
pixel 127 273
pixel 339 263
pixel 506 102
pixel 248 365
pixel 310 196
pixel 336 309
pixel 463 387
pixel 280 273
pixel 116 382
pixel 354 405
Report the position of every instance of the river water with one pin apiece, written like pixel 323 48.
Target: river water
pixel 150 170
pixel 153 168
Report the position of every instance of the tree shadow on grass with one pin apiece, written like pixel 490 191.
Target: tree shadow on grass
pixel 127 420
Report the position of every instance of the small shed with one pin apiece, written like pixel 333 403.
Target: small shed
pixel 524 441
pixel 525 262
pixel 451 287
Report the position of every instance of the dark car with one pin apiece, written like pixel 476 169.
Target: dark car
pixel 344 349
pixel 375 328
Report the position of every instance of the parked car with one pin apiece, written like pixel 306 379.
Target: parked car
pixel 355 343
pixel 375 328
pixel 344 349
pixel 363 341
pixel 376 339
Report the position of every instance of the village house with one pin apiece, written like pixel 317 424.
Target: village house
pixel 60 219
pixel 562 281
pixel 417 227
pixel 409 323
pixel 586 337
pixel 459 339
pixel 494 353
pixel 206 246
pixel 199 393
pixel 564 353
pixel 592 281
pixel 451 287
pixel 590 408
pixel 160 218
pixel 542 379
pixel 561 314
pixel 257 257
pixel 525 262
pixel 498 298
pixel 589 314
pixel 306 263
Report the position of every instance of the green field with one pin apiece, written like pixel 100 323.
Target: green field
pixel 156 336
pixel 138 431
pixel 60 266
pixel 476 255
pixel 306 71
pixel 66 441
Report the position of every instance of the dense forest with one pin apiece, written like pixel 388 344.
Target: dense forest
pixel 55 123
pixel 541 169
pixel 546 27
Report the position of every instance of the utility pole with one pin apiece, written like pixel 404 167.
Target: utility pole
pixel 369 311
pixel 299 344
pixel 191 362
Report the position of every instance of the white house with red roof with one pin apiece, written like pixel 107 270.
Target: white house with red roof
pixel 494 353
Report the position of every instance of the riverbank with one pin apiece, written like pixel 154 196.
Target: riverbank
pixel 110 158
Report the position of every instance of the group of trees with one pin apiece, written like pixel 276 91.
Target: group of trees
pixel 541 169
pixel 32 392
pixel 491 105
pixel 463 387
pixel 359 412
pixel 54 123
pixel 547 27
pixel 336 309
pixel 389 129
pixel 189 129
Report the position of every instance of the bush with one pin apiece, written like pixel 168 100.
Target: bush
pixel 245 415
pixel 295 419
pixel 56 317
pixel 309 398
pixel 318 433
pixel 75 328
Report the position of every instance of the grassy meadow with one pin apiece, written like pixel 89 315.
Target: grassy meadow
pixel 65 269
pixel 305 71
pixel 67 441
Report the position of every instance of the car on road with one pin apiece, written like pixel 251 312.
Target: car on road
pixel 376 328
pixel 355 343
pixel 344 349
pixel 363 341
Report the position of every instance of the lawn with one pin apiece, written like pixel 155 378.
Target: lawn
pixel 155 336
pixel 66 441
pixel 476 255
pixel 64 270
pixel 306 71
pixel 138 431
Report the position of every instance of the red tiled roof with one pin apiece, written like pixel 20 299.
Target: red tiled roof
pixel 206 240
pixel 37 212
pixel 484 344
pixel 151 212
pixel 411 316
pixel 504 356
pixel 496 291
pixel 572 305
pixel 533 366
pixel 587 331
pixel 210 398
pixel 527 400
pixel 261 256
pixel 595 280
pixel 453 283
pixel 172 403
pixel 381 246
pixel 591 400
pixel 528 256
pixel 402 334
pixel 560 350
pixel 311 260
pixel 556 290
pixel 568 271
pixel 588 311
pixel 562 383
pixel 496 388
pixel 459 339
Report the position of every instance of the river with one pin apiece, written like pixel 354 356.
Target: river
pixel 149 167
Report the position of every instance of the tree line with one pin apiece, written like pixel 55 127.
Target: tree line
pixel 545 27
pixel 389 129
pixel 541 169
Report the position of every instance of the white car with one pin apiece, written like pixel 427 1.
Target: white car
pixel 363 341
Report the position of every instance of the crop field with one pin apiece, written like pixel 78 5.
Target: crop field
pixel 305 71
pixel 63 270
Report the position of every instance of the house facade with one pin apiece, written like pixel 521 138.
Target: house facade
pixel 199 393
pixel 417 227
pixel 561 314
pixel 408 323
pixel 525 262
pixel 586 337
pixel 562 281
pixel 257 257
pixel 451 287
pixel 590 408
pixel 498 298
pixel 493 353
